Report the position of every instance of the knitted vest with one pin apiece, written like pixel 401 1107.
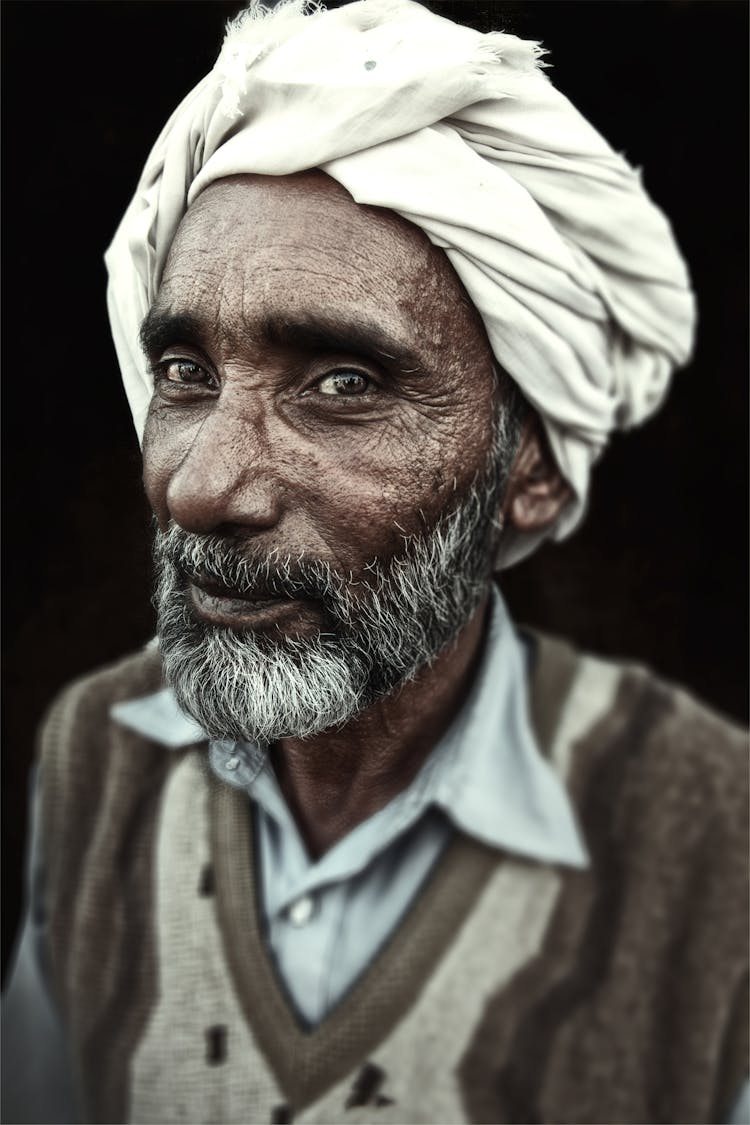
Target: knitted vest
pixel 512 990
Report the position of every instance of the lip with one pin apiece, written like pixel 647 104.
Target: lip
pixel 218 608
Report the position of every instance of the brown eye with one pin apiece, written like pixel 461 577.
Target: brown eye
pixel 344 383
pixel 181 371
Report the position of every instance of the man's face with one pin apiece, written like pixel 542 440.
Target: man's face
pixel 324 401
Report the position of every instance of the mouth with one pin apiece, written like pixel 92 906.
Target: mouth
pixel 217 604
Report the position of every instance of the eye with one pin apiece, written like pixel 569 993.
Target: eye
pixel 181 371
pixel 344 383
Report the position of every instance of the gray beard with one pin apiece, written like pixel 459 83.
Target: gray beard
pixel 380 629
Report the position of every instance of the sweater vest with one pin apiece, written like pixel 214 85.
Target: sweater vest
pixel 511 991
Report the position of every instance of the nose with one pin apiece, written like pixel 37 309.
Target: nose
pixel 226 479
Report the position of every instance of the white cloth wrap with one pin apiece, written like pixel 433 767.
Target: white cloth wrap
pixel 575 272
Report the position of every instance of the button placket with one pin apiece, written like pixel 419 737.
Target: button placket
pixel 238 764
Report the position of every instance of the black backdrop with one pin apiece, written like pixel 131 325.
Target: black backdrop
pixel 657 573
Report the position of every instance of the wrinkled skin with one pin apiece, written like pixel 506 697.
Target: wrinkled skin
pixel 324 386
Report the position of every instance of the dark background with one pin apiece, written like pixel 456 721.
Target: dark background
pixel 657 573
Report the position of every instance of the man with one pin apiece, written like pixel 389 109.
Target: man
pixel 401 862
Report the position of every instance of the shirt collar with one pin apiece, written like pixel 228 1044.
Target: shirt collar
pixel 160 718
pixel 490 777
pixel 486 774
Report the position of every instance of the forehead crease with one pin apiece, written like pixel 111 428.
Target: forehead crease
pixel 284 218
pixel 287 304
pixel 297 266
pixel 272 272
pixel 248 268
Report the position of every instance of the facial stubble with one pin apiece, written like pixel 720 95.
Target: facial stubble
pixel 380 627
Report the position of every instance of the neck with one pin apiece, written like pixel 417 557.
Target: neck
pixel 335 780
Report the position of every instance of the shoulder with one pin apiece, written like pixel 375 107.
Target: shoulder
pixel 88 699
pixel 85 757
pixel 655 929
pixel 583 704
pixel 654 774
pixel 659 783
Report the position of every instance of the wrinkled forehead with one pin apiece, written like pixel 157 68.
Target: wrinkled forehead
pixel 249 211
pixel 291 244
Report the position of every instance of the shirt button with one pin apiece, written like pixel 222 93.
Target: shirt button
pixel 301 911
pixel 231 763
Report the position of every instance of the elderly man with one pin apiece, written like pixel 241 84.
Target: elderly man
pixel 347 846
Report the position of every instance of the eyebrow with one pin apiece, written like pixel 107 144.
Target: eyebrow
pixel 362 338
pixel 161 328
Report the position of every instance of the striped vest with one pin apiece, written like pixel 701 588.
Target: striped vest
pixel 512 991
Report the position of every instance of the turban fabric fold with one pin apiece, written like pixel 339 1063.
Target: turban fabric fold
pixel 573 270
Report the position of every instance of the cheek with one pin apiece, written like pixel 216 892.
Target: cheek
pixel 163 450
pixel 349 493
pixel 370 496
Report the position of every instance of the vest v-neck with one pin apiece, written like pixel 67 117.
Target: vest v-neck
pixel 309 1060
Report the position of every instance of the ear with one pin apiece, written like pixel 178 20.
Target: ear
pixel 537 492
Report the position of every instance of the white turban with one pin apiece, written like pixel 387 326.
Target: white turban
pixel 574 271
